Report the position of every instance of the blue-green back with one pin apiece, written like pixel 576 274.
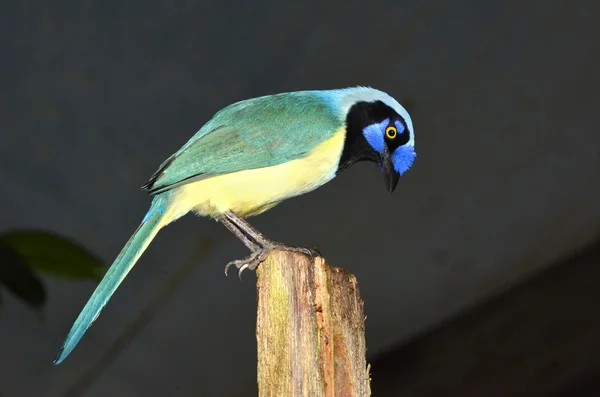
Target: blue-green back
pixel 254 133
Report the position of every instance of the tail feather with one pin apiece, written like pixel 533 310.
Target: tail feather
pixel 154 220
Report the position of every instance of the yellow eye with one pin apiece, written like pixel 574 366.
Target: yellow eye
pixel 391 132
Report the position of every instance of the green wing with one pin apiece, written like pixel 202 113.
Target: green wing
pixel 255 133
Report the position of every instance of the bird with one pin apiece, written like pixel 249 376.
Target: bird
pixel 251 156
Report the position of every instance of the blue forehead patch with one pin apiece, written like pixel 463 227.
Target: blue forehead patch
pixel 374 134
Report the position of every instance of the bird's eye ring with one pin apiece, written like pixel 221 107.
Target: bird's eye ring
pixel 391 132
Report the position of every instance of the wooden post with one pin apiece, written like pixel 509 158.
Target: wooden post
pixel 310 329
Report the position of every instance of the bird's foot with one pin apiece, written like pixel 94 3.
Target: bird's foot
pixel 250 262
pixel 257 257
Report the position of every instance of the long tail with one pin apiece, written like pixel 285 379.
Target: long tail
pixel 157 217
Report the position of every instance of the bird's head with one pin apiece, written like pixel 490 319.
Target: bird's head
pixel 378 129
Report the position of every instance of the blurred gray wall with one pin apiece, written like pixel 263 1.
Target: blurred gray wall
pixel 95 95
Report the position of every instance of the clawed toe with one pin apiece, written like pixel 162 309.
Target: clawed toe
pixel 244 267
pixel 249 263
pixel 238 263
pixel 312 252
pixel 309 251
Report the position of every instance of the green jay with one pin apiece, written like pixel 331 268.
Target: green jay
pixel 254 154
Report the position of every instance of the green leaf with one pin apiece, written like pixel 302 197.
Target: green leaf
pixel 19 279
pixel 54 255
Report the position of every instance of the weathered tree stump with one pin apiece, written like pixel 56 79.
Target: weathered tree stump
pixel 310 329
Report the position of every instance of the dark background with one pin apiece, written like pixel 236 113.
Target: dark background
pixel 95 95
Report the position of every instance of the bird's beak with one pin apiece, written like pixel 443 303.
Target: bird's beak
pixel 390 174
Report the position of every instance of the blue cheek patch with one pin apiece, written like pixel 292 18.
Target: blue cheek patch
pixel 403 158
pixel 374 135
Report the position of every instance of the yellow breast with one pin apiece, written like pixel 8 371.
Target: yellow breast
pixel 251 192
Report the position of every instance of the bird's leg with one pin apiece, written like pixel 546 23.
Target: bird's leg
pixel 262 240
pixel 259 245
pixel 252 246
